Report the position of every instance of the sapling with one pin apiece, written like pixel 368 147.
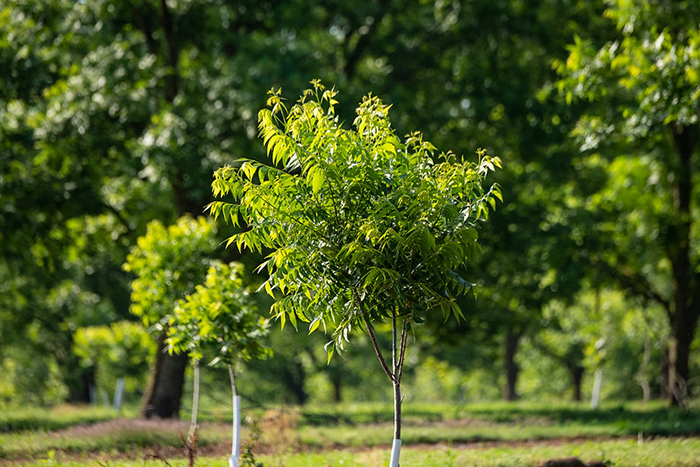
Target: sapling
pixel 363 228
pixel 220 315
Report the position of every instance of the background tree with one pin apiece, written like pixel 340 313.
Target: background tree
pixel 647 89
pixel 168 262
pixel 364 229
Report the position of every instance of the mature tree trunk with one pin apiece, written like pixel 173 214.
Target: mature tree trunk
pixel 78 381
pixel 77 377
pixel 294 379
pixel 162 399
pixel 337 383
pixel 686 311
pixel 511 341
pixel 682 334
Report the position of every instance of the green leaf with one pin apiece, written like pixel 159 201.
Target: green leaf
pixel 314 324
pixel 317 178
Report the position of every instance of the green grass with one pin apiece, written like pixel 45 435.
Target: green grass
pixel 56 418
pixel 659 453
pixel 116 439
pixel 656 453
pixel 337 433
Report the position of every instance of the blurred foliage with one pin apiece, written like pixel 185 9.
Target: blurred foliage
pixel 114 113
pixel 640 132
pixel 220 315
pixel 121 350
pixel 28 379
pixel 169 262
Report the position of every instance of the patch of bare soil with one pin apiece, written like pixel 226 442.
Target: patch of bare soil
pixel 110 427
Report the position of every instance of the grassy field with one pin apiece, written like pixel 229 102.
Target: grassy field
pixel 494 434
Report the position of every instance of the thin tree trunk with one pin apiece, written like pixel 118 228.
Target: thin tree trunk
pixel 191 443
pixel 597 387
pixel 236 432
pixel 398 352
pixel 294 378
pixel 78 380
pixel 337 382
pixel 511 342
pixel 642 377
pixel 576 371
pixel 397 384
pixel 195 404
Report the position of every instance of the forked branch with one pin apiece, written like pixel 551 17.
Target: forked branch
pixel 377 350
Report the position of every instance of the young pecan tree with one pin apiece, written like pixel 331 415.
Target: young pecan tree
pixel 363 228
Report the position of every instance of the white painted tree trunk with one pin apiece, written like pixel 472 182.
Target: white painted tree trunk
pixel 195 404
pixel 395 453
pixel 597 386
pixel 119 394
pixel 235 447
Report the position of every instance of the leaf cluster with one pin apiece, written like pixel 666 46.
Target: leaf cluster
pixel 220 314
pixel 361 224
pixel 168 263
pixel 651 68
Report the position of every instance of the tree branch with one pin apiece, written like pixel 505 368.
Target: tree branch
pixel 635 283
pixel 122 220
pixel 375 344
pixel 145 26
pixel 372 337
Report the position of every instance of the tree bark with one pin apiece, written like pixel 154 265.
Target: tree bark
pixel 511 369
pixel 162 399
pixel 682 334
pixel 684 319
pixel 398 352
pixel 572 361
pixel 597 388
